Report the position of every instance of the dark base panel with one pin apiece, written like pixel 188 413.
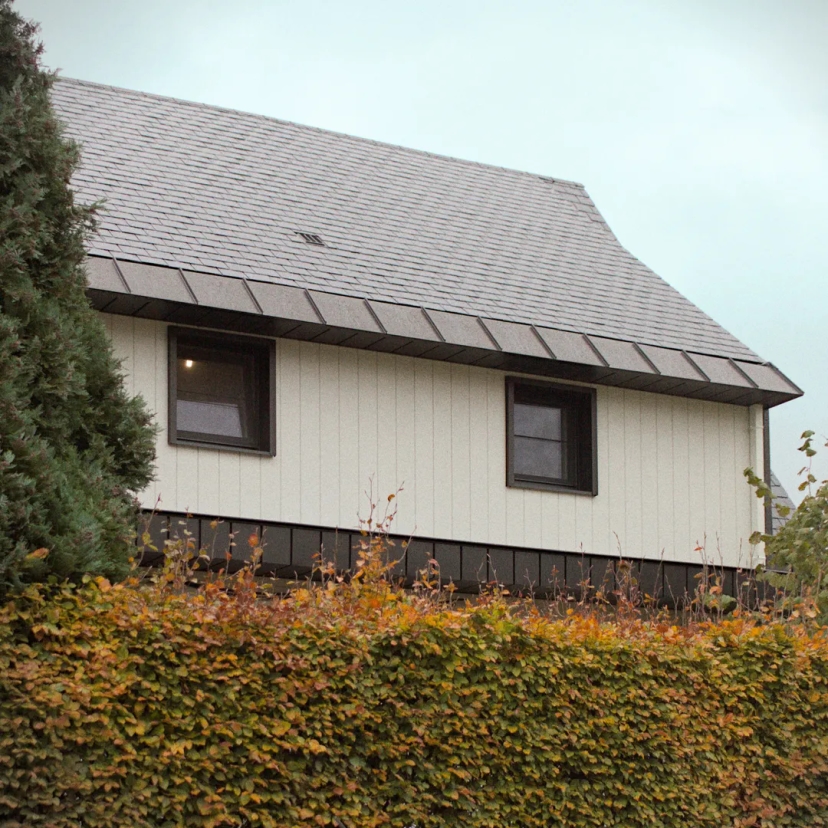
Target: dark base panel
pixel 293 551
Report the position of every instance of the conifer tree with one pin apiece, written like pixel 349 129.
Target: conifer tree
pixel 73 445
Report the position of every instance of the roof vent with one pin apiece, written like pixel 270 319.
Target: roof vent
pixel 312 238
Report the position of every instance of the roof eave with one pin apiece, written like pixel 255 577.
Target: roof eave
pixel 267 309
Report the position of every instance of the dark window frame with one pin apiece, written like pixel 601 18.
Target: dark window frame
pixel 264 392
pixel 580 403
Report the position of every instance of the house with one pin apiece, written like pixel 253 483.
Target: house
pixel 308 313
pixel 780 499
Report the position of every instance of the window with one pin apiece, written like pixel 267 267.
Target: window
pixel 221 393
pixel 550 436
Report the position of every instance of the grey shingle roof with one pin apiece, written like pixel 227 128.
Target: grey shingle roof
pixel 218 191
pixel 781 498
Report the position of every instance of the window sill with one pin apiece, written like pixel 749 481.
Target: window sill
pixel 549 487
pixel 220 447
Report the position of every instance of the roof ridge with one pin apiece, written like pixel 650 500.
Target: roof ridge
pixel 576 185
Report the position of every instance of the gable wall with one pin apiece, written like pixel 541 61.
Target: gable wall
pixel 669 468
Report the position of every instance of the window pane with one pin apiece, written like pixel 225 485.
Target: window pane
pixel 538 421
pixel 210 418
pixel 216 394
pixel 202 377
pixel 539 458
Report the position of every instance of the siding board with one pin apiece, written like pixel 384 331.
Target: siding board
pixel 289 424
pixel 424 446
pixel 310 434
pixel 665 463
pixel 730 478
pixel 746 498
pixel 442 437
pixel 269 473
pixel 682 545
pixel 368 434
pixel 143 361
pixel 387 480
pixel 479 456
pixel 550 523
pixel 460 492
pixel 165 485
pixel 616 484
pixel 350 484
pixel 251 490
pixel 123 344
pixel 208 483
pixel 633 533
pixel 697 477
pixel 601 504
pixel 186 491
pixel 712 484
pixel 329 432
pixel 756 430
pixel 532 512
pixel 229 494
pixel 406 444
pixel 649 479
pixel 496 479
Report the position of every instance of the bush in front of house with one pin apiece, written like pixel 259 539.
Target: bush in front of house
pixel 355 704
pixel 797 554
pixel 72 443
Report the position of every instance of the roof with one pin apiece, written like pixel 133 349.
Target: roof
pixel 217 192
pixel 780 498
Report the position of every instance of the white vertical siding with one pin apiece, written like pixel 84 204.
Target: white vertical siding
pixel 669 469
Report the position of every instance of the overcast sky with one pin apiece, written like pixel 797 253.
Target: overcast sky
pixel 700 127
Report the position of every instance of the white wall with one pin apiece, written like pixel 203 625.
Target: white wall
pixel 669 469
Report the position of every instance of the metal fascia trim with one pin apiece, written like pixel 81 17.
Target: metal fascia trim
pixel 542 342
pixel 187 285
pixel 374 316
pixel 596 351
pixel 785 378
pixel 736 366
pixel 124 282
pixel 489 334
pixel 314 306
pixel 696 366
pixel 252 297
pixel 646 358
pixel 433 325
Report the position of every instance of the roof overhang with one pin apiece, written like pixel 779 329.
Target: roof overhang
pixel 268 309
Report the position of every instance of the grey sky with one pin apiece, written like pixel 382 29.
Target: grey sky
pixel 700 127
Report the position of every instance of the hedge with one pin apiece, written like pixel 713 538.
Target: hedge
pixel 353 704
